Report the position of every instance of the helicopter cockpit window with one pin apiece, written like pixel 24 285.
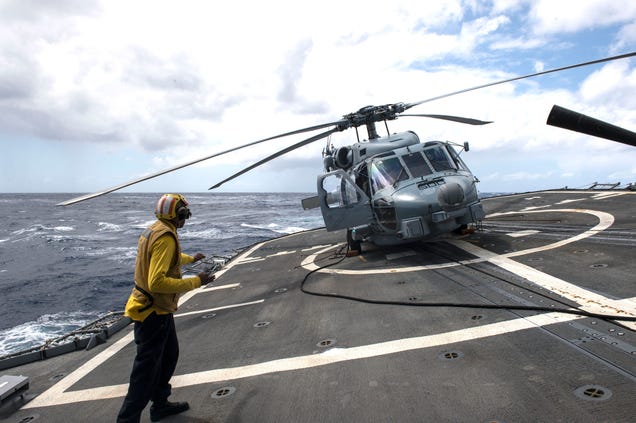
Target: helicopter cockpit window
pixel 340 192
pixel 417 165
pixel 439 159
pixel 386 172
pixel 456 159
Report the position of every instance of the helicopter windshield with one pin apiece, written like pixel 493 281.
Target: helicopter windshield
pixel 386 172
pixel 439 159
pixel 416 164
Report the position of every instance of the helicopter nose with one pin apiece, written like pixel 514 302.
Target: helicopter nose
pixel 450 194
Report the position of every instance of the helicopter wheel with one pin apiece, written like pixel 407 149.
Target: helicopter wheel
pixel 464 230
pixel 461 229
pixel 355 247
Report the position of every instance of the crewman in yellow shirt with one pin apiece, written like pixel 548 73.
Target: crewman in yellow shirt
pixel 154 299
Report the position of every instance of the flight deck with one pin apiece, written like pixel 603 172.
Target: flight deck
pixel 515 322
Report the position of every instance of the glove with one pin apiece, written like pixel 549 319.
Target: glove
pixel 205 277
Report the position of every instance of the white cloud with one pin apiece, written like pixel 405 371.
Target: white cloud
pixel 167 82
pixel 548 16
pixel 613 83
pixel 625 38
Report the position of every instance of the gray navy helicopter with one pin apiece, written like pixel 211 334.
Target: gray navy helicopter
pixel 396 189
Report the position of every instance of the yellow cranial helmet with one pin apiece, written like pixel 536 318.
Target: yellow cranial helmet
pixel 166 207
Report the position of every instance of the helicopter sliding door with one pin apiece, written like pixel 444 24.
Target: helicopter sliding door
pixel 342 203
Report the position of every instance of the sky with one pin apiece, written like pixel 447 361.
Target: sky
pixel 96 93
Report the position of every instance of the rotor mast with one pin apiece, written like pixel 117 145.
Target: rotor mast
pixel 372 131
pixel 369 115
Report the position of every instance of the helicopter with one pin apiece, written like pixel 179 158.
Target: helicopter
pixel 394 189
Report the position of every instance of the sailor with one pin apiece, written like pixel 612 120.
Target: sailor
pixel 151 305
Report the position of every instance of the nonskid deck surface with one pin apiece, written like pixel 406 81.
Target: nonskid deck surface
pixel 255 348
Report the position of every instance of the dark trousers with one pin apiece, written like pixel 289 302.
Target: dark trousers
pixel 156 359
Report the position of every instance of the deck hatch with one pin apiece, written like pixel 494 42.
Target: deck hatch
pixel 261 324
pixel 451 355
pixel 326 343
pixel 224 392
pixel 593 393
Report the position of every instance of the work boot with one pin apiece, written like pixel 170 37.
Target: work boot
pixel 158 412
pixel 353 253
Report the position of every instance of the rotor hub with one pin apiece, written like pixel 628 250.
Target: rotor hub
pixel 370 114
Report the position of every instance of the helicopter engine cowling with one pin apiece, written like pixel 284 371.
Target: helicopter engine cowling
pixel 344 157
pixel 450 195
pixel 329 163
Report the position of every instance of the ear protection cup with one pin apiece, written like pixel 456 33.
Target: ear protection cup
pixel 183 213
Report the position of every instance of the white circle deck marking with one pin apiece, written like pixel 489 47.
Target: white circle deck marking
pixel 605 221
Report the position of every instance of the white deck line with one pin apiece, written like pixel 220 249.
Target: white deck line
pixel 210 310
pixel 49 396
pixel 57 392
pixel 58 396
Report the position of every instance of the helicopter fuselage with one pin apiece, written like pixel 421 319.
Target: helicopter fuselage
pixel 396 190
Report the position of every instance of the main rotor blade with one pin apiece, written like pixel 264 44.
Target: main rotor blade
pixel 607 59
pixel 172 169
pixel 278 154
pixel 454 119
pixel 578 122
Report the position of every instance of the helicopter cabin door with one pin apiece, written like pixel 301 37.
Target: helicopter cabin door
pixel 343 204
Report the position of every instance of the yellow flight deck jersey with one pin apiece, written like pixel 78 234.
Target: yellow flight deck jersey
pixel 158 281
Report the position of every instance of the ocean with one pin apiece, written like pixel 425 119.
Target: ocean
pixel 62 267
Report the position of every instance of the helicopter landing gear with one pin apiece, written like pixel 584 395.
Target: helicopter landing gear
pixel 355 246
pixel 464 230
